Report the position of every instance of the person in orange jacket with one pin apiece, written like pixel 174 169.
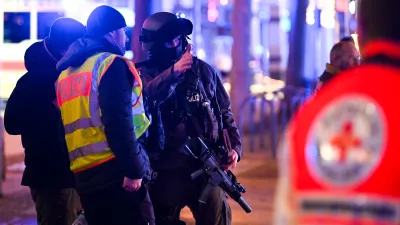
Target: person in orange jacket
pixel 339 158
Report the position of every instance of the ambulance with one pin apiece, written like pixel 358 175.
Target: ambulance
pixel 28 21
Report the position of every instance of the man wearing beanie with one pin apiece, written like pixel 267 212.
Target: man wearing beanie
pixel 31 113
pixel 100 97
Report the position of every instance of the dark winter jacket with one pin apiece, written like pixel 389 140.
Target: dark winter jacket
pixel 115 92
pixel 31 113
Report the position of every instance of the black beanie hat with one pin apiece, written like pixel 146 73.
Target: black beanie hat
pixel 64 31
pixel 103 20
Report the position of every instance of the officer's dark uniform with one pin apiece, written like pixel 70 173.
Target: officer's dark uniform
pixel 180 103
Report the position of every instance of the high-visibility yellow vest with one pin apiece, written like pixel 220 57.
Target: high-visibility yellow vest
pixel 77 98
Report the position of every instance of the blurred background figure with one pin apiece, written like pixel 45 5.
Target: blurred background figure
pixel 348 39
pixel 343 55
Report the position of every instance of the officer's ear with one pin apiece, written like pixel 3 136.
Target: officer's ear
pixel 110 36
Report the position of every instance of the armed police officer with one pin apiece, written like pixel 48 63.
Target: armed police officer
pixel 193 103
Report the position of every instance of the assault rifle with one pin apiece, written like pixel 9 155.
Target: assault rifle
pixel 217 177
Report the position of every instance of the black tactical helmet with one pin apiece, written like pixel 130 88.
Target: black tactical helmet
pixel 162 27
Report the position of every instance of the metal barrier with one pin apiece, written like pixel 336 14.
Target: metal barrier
pixel 275 110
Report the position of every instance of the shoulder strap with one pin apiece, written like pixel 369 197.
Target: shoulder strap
pixel 211 106
pixel 213 102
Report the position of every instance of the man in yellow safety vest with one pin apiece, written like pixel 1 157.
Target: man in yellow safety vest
pixel 99 94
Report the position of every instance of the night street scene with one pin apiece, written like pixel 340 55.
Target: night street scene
pixel 199 112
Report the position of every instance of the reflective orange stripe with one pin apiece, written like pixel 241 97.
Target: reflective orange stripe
pixel 95 164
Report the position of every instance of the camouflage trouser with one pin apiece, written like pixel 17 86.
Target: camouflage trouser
pixel 172 191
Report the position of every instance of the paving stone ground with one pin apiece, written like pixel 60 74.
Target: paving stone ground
pixel 257 172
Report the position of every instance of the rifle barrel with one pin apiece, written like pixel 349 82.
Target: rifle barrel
pixel 245 206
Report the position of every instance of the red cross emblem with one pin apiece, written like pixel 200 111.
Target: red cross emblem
pixel 344 140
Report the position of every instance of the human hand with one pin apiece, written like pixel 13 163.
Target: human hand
pixel 184 63
pixel 132 185
pixel 232 160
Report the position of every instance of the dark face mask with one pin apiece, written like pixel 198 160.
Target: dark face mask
pixel 165 57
